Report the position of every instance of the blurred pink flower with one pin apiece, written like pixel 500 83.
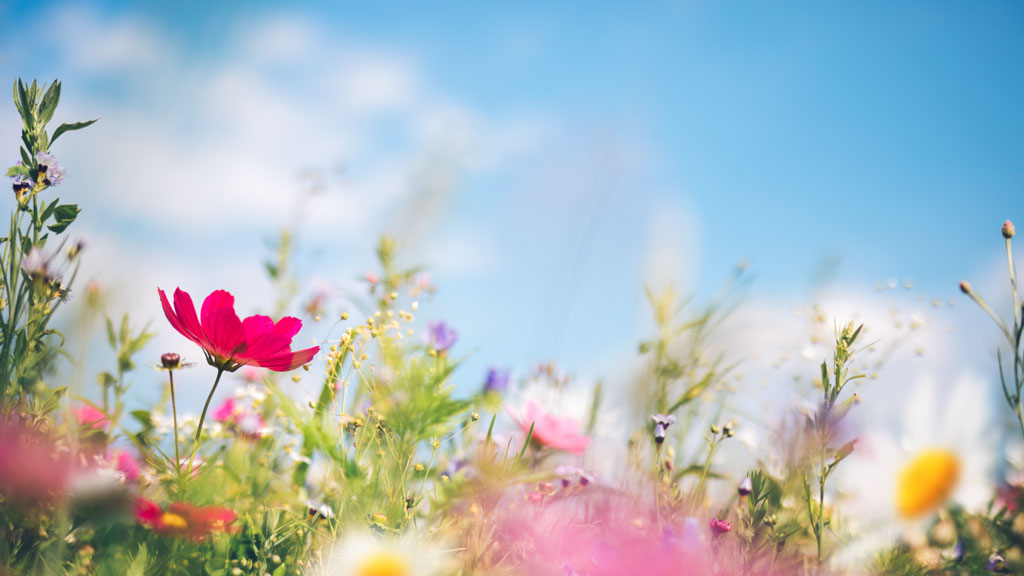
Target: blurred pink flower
pixel 551 431
pixel 89 416
pixel 230 343
pixel 32 468
pixel 242 421
pixel 126 464
pixel 600 536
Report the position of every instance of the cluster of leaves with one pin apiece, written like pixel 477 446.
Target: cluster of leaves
pixel 32 288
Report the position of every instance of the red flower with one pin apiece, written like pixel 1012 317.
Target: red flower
pixel 183 519
pixel 230 343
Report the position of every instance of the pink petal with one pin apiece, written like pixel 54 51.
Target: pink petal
pixel 224 332
pixel 186 311
pixel 172 317
pixel 225 412
pixel 288 326
pixel 216 300
pixel 288 360
pixel 256 326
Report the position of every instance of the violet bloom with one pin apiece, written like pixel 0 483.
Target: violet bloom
pixel 51 172
pixel 37 264
pixel 497 380
pixel 661 424
pixel 442 337
pixel 21 183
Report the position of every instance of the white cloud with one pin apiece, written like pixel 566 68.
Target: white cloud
pixel 93 44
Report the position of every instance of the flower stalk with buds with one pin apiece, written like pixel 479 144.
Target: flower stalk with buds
pixel 1012 384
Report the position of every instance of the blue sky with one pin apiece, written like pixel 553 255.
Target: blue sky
pixel 580 149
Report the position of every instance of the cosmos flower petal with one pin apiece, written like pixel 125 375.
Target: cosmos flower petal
pixel 216 299
pixel 193 333
pixel 288 360
pixel 225 333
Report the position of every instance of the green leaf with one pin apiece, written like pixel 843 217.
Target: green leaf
pixel 65 215
pixel 137 567
pixel 69 127
pixel 844 451
pixel 529 436
pixel 281 570
pixel 143 417
pixel 111 338
pixel 49 104
pixel 48 210
pixel 26 159
pixel 23 105
pixel 19 170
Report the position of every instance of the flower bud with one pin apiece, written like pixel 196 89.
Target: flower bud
pixel 965 287
pixel 715 429
pixel 1008 230
pixel 171 361
pixel 745 487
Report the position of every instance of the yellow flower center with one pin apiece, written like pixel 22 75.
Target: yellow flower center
pixel 172 520
pixel 926 482
pixel 384 563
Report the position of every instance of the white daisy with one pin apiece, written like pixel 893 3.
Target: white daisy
pixel 368 555
pixel 943 456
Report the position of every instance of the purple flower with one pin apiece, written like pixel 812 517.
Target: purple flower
pixel 37 265
pixel 497 380
pixel 454 466
pixel 50 170
pixel 661 424
pixel 996 563
pixel 442 336
pixel 21 183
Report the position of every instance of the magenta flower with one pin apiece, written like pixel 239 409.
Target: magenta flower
pixel 551 431
pixel 719 527
pixel 237 418
pixel 88 416
pixel 230 343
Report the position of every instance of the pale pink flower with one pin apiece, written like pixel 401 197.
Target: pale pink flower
pixel 551 431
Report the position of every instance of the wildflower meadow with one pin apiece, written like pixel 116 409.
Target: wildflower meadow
pixel 288 428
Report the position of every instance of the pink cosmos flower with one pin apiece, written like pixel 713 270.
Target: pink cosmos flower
pixel 600 535
pixel 126 464
pixel 89 416
pixel 230 343
pixel 551 431
pixel 236 417
pixel 33 469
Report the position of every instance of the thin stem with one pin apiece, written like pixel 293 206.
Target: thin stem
pixel 1013 282
pixel 202 419
pixel 174 411
pixel 699 490
pixel 821 506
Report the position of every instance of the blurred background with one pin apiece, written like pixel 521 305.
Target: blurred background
pixel 545 161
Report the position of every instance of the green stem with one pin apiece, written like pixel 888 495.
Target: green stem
pixel 699 490
pixel 174 411
pixel 202 419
